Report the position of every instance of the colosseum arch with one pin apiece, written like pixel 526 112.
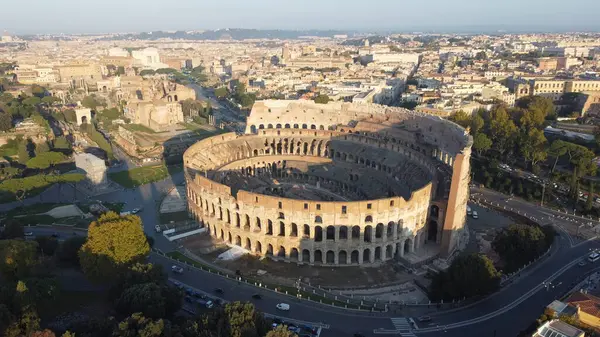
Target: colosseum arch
pixel 310 176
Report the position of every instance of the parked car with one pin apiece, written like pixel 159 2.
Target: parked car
pixel 424 319
pixel 283 306
pixel 28 233
pixel 475 215
pixel 208 304
pixel 136 210
pixel 256 296
pixel 157 228
pixel 177 269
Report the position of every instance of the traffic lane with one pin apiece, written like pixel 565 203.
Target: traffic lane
pixel 233 291
pixel 59 232
pixel 514 291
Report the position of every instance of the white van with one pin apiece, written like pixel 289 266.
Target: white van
pixel 469 211
pixel 475 215
pixel 594 257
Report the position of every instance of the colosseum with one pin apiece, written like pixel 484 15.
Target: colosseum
pixel 333 184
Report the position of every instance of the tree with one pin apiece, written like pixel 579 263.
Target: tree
pixel 45 160
pixel 27 323
pixel 237 320
pixel 469 275
pixel 69 249
pixel 518 245
pixel 50 100
pixel 461 118
pixel 41 148
pixel 138 325
pixel 166 71
pixel 536 109
pixel 70 115
pixel 47 245
pixel 138 273
pixel 92 102
pixel 221 92
pixel 44 333
pixel 557 149
pixel 17 258
pixel 145 298
pixel 589 204
pixel 5 121
pixel 502 130
pixel 147 72
pixel 38 91
pixel 281 331
pixel 322 99
pixel 533 146
pixel 477 123
pixel 12 230
pixel 32 101
pixel 114 243
pixel 481 143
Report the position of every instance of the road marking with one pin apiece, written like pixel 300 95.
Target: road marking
pixel 401 323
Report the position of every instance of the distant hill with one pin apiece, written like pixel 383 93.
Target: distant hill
pixel 228 34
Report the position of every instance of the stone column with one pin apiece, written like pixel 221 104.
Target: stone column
pixel 372 255
pixel 335 258
pixel 312 256
pixel 360 259
pixel 336 233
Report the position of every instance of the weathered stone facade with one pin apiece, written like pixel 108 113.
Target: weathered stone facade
pixel 397 185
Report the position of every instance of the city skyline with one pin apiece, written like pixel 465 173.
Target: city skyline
pixel 111 16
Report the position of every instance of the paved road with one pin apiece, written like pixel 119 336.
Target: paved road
pixel 506 313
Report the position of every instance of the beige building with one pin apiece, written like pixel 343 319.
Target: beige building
pixel 156 115
pixel 335 184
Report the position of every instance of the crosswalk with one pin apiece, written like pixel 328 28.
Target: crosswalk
pixel 402 326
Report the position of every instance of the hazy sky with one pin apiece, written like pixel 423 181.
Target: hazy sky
pixel 92 16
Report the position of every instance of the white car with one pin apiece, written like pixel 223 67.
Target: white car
pixel 283 306
pixel 475 215
pixel 136 210
pixel 28 233
pixel 177 269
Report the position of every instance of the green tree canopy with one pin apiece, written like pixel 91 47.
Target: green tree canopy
pixel 47 245
pixel 93 102
pixel 32 101
pixel 139 326
pixel 221 92
pixel 145 298
pixel 70 115
pixel 23 152
pixel 68 250
pixel 502 130
pixel 322 99
pixel 61 143
pixel 17 258
pixel 38 91
pixel 50 100
pixel 5 121
pixel 518 245
pixel 166 71
pixel 469 275
pixel 461 118
pixel 557 149
pixel 114 243
pixel 281 331
pixel 481 143
pixel 12 230
pixel 533 146
pixel 237 320
pixel 147 72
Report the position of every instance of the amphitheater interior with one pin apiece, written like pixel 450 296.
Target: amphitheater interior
pixel 333 184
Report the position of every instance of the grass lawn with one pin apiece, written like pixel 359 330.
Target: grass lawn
pixel 33 209
pixel 143 175
pixel 201 132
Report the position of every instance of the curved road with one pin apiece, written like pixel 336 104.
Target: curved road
pixel 503 314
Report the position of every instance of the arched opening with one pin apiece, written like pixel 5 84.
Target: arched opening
pixel 390 229
pixel 287 126
pixel 342 257
pixel 304 126
pixel 237 219
pixel 377 253
pixel 343 233
pixel 389 252
pixel 261 126
pixel 368 233
pixel 281 228
pixel 366 256
pixel 247 222
pixel 435 211
pixel 248 244
pixel 270 249
pixel 258 222
pixel 176 98
pixel 229 238
pixel 432 231
pixel 330 257
pixel 318 219
pixel 238 241
pixel 258 247
pixel 355 233
pixel 84 120
pixel 313 127
pixel 222 235
pixel 269 227
pixel 318 256
pixel 407 246
pixel 281 252
pixel 270 126
pixel 294 230
pixel 294 254
pixel 278 126
pixel 379 231
pixel 318 234
pixel 306 231
pixel 331 233
pixel 306 255
pixel 368 218
pixel 354 257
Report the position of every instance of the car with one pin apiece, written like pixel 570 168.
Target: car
pixel 157 228
pixel 219 291
pixel 136 210
pixel 28 233
pixel 424 319
pixel 256 296
pixel 283 306
pixel 203 303
pixel 469 211
pixel 177 269
pixel 475 215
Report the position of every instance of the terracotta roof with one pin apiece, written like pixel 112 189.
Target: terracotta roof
pixel 587 303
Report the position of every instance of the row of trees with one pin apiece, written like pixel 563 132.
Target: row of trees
pixel 519 244
pixel 113 255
